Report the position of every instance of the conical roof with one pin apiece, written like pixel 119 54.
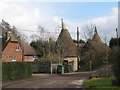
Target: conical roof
pixel 96 37
pixel 95 44
pixel 65 45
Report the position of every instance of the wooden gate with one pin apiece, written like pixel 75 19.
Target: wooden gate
pixel 41 67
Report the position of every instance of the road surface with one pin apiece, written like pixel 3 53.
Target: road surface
pixel 73 80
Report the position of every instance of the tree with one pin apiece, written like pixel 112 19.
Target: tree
pixel 115 61
pixel 80 41
pixel 43 42
pixel 115 57
pixel 47 48
pixel 113 42
pixel 4 26
pixel 39 46
pixel 94 50
pixel 89 31
pixel 40 37
pixel 90 28
pixel 21 37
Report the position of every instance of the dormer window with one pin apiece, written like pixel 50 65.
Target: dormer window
pixel 17 48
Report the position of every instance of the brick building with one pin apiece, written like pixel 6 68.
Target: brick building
pixel 31 54
pixel 11 49
pixel 12 52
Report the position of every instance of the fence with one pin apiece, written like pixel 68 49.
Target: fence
pixel 44 67
pixel 41 67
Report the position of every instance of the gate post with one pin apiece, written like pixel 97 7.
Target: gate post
pixel 51 68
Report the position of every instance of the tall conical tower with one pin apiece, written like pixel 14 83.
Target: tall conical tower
pixel 93 52
pixel 67 49
pixel 65 44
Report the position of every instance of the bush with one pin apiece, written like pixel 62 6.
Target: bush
pixel 42 59
pixel 16 70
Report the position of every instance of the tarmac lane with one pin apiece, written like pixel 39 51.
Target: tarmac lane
pixel 71 80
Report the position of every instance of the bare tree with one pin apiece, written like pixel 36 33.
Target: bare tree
pixel 89 31
pixel 34 37
pixel 41 33
pixel 88 36
pixel 42 36
pixel 21 37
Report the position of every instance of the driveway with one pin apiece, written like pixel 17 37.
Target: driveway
pixel 72 80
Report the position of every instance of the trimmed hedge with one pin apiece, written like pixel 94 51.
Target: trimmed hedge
pixel 16 70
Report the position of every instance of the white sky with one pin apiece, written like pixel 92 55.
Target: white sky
pixel 29 18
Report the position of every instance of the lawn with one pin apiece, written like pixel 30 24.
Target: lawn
pixel 100 84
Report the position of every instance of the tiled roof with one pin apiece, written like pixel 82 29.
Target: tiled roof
pixel 30 51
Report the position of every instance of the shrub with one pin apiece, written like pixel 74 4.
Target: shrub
pixel 16 70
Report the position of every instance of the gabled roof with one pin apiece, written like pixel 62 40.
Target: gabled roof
pixel 31 51
pixel 4 43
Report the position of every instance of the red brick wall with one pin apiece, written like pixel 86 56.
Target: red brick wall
pixel 10 51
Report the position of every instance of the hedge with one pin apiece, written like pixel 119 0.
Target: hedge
pixel 16 70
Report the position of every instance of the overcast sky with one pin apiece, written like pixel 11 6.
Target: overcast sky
pixel 28 15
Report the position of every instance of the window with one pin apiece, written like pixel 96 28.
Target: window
pixel 35 57
pixel 13 58
pixel 17 48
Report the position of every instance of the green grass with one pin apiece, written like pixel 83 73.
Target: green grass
pixel 97 84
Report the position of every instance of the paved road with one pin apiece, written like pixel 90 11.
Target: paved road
pixel 73 80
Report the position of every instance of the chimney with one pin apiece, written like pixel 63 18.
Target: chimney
pixel 63 26
pixel 95 30
pixel 8 34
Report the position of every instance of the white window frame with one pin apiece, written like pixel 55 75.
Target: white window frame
pixel 35 57
pixel 14 58
pixel 17 48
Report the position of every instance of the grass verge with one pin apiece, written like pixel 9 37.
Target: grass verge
pixel 100 84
